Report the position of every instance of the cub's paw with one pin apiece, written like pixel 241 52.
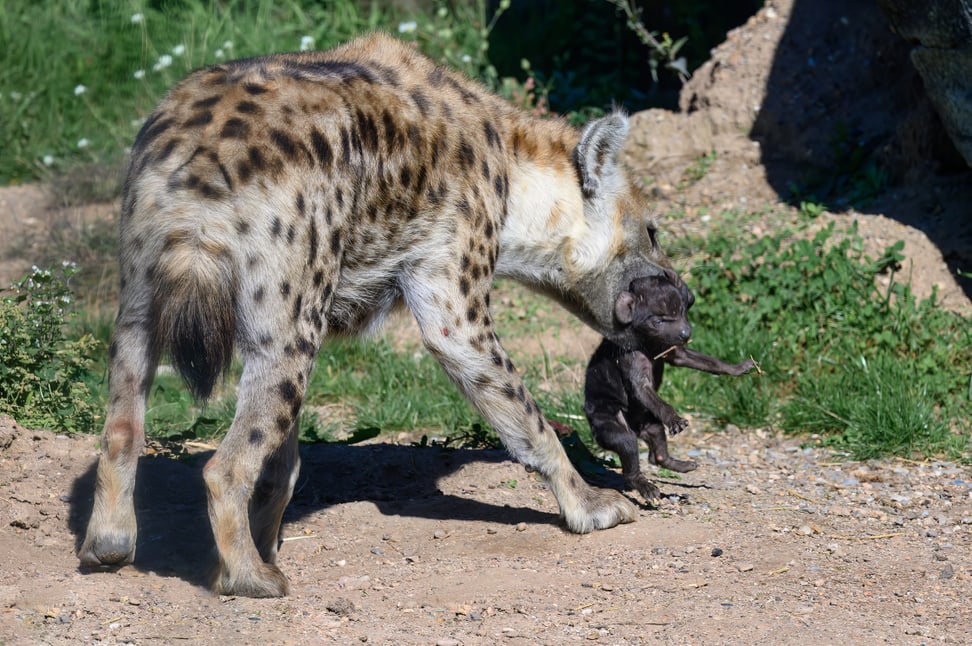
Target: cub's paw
pixel 678 466
pixel 677 425
pixel 648 489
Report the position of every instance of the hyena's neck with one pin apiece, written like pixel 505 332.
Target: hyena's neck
pixel 544 241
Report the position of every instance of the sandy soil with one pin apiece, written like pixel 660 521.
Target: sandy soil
pixel 769 541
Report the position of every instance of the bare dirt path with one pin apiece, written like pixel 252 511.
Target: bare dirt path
pixel 390 544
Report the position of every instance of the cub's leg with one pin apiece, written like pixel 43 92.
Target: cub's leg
pixel 613 433
pixel 460 336
pixel 250 478
pixel 653 433
pixel 111 533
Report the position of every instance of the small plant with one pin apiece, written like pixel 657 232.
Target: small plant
pixel 811 210
pixel 663 50
pixel 698 168
pixel 42 372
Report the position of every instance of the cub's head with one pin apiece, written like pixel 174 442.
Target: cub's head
pixel 655 309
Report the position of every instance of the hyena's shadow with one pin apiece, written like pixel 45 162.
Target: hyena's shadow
pixel 175 538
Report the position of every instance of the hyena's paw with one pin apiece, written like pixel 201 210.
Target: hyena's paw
pixel 648 489
pixel 110 540
pixel 107 550
pixel 262 580
pixel 598 508
pixel 679 466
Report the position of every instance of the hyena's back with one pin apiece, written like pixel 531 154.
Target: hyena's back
pixel 287 192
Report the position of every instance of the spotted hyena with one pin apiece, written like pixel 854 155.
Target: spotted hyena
pixel 620 396
pixel 271 202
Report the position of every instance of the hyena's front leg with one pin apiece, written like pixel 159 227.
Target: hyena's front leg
pixel 111 533
pixel 462 340
pixel 250 478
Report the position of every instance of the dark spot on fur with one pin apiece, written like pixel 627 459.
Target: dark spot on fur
pixel 288 391
pixel 198 119
pixel 283 423
pixel 464 286
pixel 298 304
pixel 248 107
pixel 301 206
pixel 234 128
pixel 285 289
pixel 492 137
pixel 322 149
pixel 312 245
pixel 242 227
pixel 467 156
pixel 259 294
pixel 276 227
pixel 256 436
pixel 256 159
pixel 254 89
pixel 421 102
pixel 286 145
pixel 207 102
pixel 345 146
pixel 335 241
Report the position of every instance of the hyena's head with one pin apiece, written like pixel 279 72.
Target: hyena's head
pixel 620 244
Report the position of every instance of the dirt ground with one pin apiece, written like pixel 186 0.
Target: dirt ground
pixel 773 539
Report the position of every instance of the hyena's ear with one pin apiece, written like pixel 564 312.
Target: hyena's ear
pixel 597 153
pixel 624 308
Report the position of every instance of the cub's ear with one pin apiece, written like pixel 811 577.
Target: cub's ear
pixel 624 308
pixel 596 154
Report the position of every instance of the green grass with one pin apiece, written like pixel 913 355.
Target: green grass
pixel 77 81
pixel 876 371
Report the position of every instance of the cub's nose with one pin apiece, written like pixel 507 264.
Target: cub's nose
pixel 685 333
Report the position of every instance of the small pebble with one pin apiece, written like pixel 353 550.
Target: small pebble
pixel 745 567
pixel 716 551
pixel 521 527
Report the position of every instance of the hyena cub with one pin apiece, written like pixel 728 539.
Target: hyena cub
pixel 620 390
pixel 272 202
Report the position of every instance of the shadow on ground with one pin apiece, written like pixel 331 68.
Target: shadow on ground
pixel 175 539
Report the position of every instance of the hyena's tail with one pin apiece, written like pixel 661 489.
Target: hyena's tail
pixel 194 307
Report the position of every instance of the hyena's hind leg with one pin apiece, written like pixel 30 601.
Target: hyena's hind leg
pixel 250 478
pixel 111 534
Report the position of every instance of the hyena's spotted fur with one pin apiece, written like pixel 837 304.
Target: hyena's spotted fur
pixel 273 201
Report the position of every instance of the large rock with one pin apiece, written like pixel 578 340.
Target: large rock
pixel 942 33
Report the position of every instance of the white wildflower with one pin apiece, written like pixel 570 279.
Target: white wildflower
pixel 306 43
pixel 466 58
pixel 138 18
pixel 219 53
pixel 83 142
pixel 164 61
pixel 407 27
pixel 79 90
pixel 228 44
pixel 139 74
pixel 179 50
pixel 16 96
pixel 48 160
